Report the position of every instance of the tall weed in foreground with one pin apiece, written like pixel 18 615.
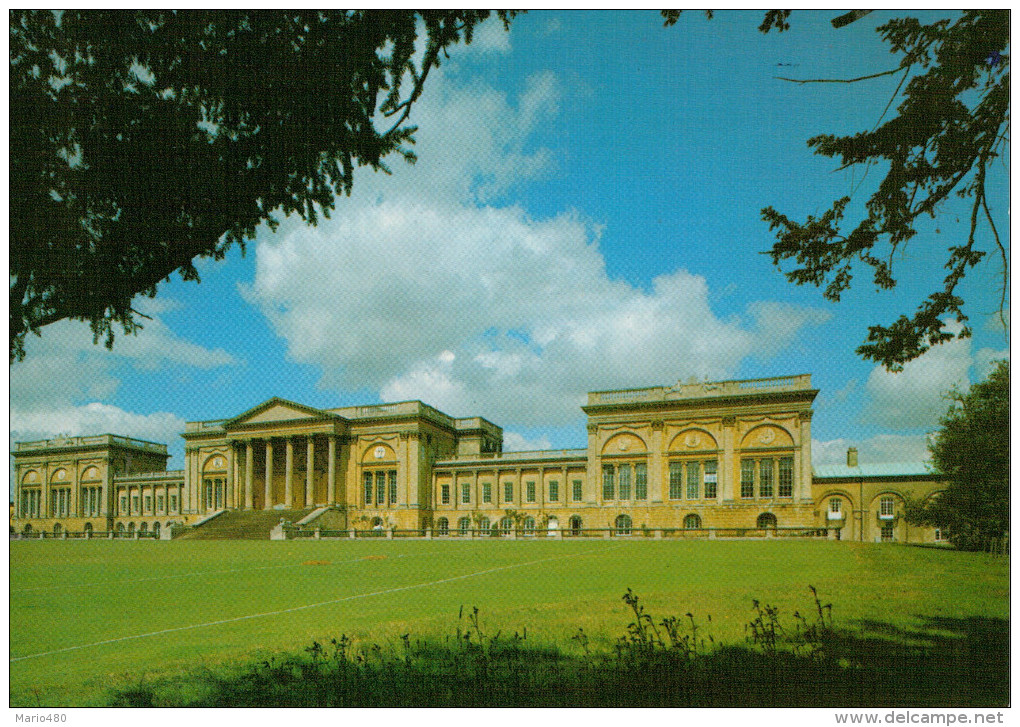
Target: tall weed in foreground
pixel 666 661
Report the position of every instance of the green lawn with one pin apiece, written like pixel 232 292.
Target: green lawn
pixel 100 606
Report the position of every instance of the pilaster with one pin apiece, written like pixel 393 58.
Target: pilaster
pixel 656 473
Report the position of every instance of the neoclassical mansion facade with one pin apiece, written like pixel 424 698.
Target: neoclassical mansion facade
pixel 710 457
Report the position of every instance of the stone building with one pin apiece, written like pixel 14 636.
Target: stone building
pixel 710 458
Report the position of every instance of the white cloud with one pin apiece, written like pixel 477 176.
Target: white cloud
pixel 514 442
pixel 64 366
pixel 423 286
pixel 882 448
pixel 95 418
pixel 914 397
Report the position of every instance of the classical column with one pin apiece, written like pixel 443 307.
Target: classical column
pixel 269 475
pixel 230 484
pixel 656 474
pixel 331 471
pixel 728 470
pixel 594 465
pixel 803 484
pixel 76 495
pixel 309 475
pixel 288 477
pixel 249 475
pixel 44 504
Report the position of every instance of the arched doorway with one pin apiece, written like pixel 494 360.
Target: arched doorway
pixel 554 525
pixel 155 530
pixel 575 525
pixel 442 526
pixel 623 524
pixel 766 521
pixel 692 522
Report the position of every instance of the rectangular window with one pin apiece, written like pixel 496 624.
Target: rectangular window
pixel 641 481
pixel 886 506
pixel 148 500
pixel 624 476
pixel 173 503
pixel 608 487
pixel 786 477
pixel 445 494
pixel 747 478
pixel 835 505
pixel 159 504
pixel 368 488
pixel 766 478
pixel 465 492
pixel 393 487
pixel 554 491
pixel 508 492
pixel 693 480
pixel 531 490
pixel 134 503
pixel 578 490
pixel 380 489
pixel 711 479
pixel 486 492
pixel 676 479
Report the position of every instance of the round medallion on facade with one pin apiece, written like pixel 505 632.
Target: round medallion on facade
pixel 379 452
pixel 218 462
pixel 768 436
pixel 624 445
pixel 60 474
pixel 692 440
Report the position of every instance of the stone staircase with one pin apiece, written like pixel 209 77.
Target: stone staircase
pixel 243 524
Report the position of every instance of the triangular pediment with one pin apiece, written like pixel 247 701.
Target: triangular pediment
pixel 278 410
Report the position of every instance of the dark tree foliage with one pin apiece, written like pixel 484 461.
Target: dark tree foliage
pixel 141 140
pixel 971 451
pixel 951 124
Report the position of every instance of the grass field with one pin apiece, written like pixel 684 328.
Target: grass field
pixel 88 617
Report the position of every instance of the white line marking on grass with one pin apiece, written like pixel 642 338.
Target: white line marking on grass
pixel 197 573
pixel 312 605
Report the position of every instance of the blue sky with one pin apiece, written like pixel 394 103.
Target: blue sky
pixel 584 215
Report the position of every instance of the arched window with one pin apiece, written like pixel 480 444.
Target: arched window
pixel 463 525
pixel 766 521
pixel 27 529
pixel 506 525
pixel 554 525
pixel 56 528
pixel 443 526
pixel 88 528
pixel 529 526
pixel 120 528
pixel 576 524
pixel 143 529
pixel 483 525
pixel 155 530
pixel 623 524
pixel 131 528
pixel 692 522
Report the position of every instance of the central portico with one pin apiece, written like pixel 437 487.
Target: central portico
pixel 374 461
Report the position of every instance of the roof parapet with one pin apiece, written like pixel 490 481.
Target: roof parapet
pixel 702 390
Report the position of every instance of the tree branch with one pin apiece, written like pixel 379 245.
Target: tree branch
pixel 851 17
pixel 838 80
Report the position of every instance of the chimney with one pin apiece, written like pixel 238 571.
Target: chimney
pixel 851 457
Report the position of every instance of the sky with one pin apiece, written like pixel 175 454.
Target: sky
pixel 584 215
